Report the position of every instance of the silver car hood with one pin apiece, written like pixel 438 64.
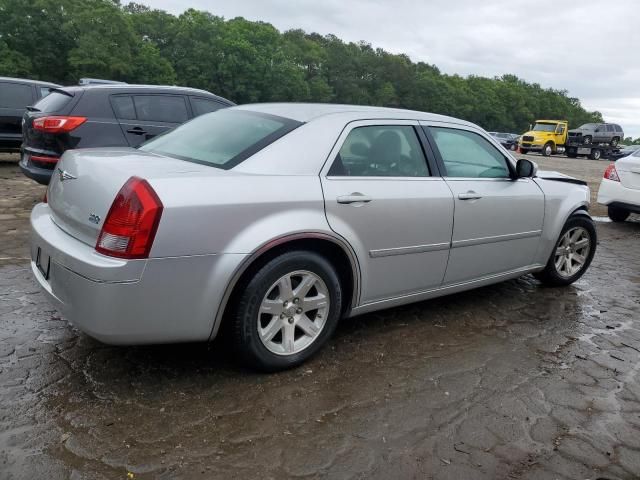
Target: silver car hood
pixel 86 182
pixel 559 177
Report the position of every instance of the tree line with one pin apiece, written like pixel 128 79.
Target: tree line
pixel 246 61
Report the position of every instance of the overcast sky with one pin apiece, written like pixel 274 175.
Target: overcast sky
pixel 590 48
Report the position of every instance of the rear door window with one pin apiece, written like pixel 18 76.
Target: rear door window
pixel 610 128
pixel 54 102
pixel 15 95
pixel 161 108
pixel 201 106
pixel 123 107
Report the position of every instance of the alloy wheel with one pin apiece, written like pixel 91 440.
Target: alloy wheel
pixel 572 252
pixel 293 313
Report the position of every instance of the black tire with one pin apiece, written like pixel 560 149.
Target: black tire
pixel 572 153
pixel 523 151
pixel 617 214
pixel 547 150
pixel 587 140
pixel 614 142
pixel 596 154
pixel 248 344
pixel 550 276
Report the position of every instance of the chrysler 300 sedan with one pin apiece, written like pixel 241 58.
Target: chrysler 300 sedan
pixel 276 220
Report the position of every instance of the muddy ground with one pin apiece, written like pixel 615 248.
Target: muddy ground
pixel 512 381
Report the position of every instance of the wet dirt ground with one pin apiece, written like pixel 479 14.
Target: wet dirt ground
pixel 512 381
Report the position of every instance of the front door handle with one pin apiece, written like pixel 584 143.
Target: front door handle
pixel 355 197
pixel 137 131
pixel 470 195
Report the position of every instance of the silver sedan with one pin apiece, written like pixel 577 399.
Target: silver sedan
pixel 279 219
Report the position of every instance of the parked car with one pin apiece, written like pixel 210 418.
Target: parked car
pixel 15 95
pixel 623 151
pixel 508 140
pixel 620 187
pixel 104 116
pixel 594 133
pixel 282 218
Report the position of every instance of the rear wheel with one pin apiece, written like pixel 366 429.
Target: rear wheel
pixel 572 254
pixel 596 153
pixel 587 140
pixel 547 150
pixel 617 214
pixel 287 311
pixel 572 153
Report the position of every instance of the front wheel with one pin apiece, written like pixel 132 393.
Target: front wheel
pixel 617 214
pixel 587 140
pixel 614 142
pixel 547 150
pixel 287 311
pixel 596 154
pixel 572 254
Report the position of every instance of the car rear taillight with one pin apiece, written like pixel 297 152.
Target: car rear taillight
pixel 44 199
pixel 58 123
pixel 132 221
pixel 611 173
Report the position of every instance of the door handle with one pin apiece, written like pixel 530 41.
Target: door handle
pixel 470 195
pixel 137 131
pixel 355 197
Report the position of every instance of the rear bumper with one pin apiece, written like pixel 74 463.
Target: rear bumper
pixel 40 175
pixel 611 192
pixel 125 302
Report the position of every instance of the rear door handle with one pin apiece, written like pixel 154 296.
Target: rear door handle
pixel 137 131
pixel 355 197
pixel 470 195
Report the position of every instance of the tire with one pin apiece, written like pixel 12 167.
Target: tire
pixel 587 140
pixel 547 150
pixel 513 147
pixel 286 344
pixel 555 272
pixel 614 142
pixel 572 153
pixel 523 151
pixel 617 214
pixel 596 154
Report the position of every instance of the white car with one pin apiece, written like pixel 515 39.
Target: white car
pixel 620 187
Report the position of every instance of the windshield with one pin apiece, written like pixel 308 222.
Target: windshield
pixel 544 127
pixel 221 139
pixel 588 126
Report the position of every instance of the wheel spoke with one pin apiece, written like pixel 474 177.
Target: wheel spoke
pixel 288 338
pixel 560 251
pixel 580 259
pixel 307 326
pixel 271 307
pixel 581 243
pixel 304 286
pixel 271 330
pixel 314 303
pixel 560 263
pixel 575 235
pixel 286 290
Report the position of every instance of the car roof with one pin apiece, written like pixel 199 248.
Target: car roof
pixel 28 80
pixel 127 87
pixel 306 112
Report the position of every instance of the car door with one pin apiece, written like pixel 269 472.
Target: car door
pixel 387 200
pixel 498 220
pixel 144 116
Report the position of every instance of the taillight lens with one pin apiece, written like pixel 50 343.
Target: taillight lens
pixel 132 221
pixel 44 198
pixel 58 124
pixel 611 173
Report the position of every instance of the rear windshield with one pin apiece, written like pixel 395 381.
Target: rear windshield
pixel 221 139
pixel 54 102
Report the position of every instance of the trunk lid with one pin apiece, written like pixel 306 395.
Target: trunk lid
pixel 86 182
pixel 628 169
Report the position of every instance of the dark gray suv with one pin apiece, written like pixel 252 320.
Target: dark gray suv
pixel 594 133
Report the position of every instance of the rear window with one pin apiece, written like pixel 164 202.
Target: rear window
pixel 54 102
pixel 221 139
pixel 15 95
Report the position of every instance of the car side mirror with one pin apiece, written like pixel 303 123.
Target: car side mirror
pixel 526 168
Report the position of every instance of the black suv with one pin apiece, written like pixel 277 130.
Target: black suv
pixel 15 95
pixel 104 116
